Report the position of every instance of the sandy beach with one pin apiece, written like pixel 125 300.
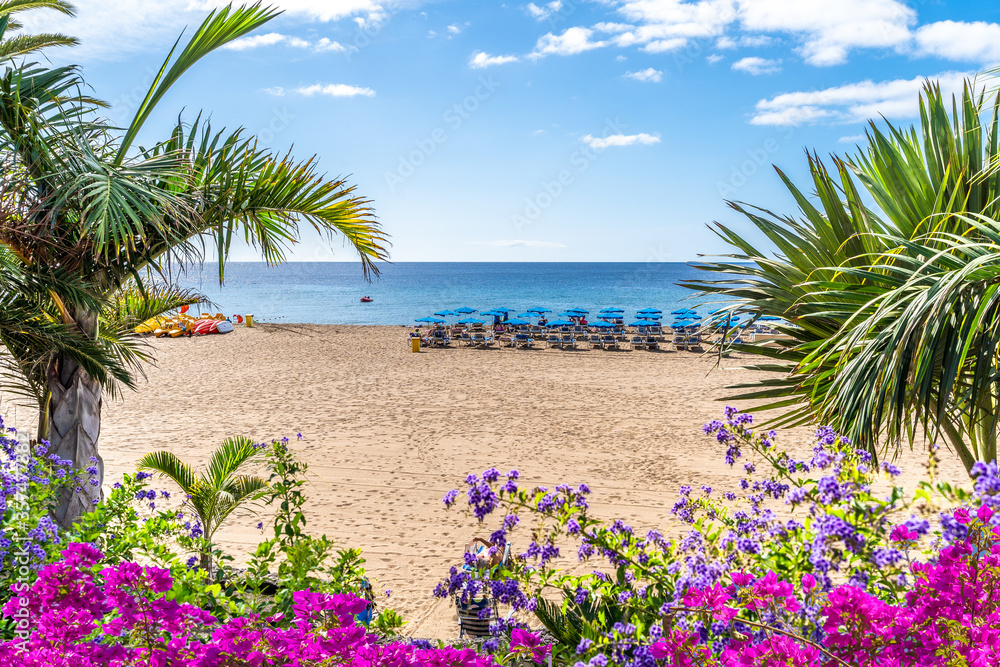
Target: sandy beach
pixel 388 432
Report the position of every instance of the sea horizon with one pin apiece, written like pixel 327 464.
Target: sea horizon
pixel 330 292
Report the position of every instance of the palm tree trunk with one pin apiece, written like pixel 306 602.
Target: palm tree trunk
pixel 73 427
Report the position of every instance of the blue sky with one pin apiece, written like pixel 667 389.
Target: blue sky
pixel 580 130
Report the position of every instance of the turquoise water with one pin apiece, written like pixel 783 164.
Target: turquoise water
pixel 329 293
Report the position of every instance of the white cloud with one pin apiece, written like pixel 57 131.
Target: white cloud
pixel 613 27
pixel 543 12
pixel 323 45
pixel 335 90
pixel 713 58
pixel 255 41
pixel 481 59
pixel 648 74
pixel 756 66
pixel 853 139
pixel 277 91
pixel 746 40
pixel 571 42
pixel 454 29
pixel 521 243
pixel 112 29
pixel 665 45
pixel 599 143
pixel 977 42
pixel 852 103
pixel 824 33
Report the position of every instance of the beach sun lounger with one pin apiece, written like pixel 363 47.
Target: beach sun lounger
pixel 568 340
pixel 607 341
pixel 652 343
pixel 595 342
pixel 637 343
pixel 553 341
pixel 523 340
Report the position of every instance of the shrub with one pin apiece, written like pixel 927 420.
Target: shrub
pixel 80 613
pixel 794 532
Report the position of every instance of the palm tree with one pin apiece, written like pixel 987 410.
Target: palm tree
pixel 218 491
pixel 25 329
pixel 17 45
pixel 112 216
pixel 886 330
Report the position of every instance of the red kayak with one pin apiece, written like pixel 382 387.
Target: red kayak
pixel 366 299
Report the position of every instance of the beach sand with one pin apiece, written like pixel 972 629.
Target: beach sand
pixel 388 432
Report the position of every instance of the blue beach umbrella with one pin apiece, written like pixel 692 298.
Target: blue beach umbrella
pixel 431 320
pixel 579 310
pixel 612 310
pixel 539 310
pixel 492 313
pixel 650 317
pixel 769 318
pixel 471 320
pixel 465 310
pixel 642 323
pixel 679 311
pixel 602 325
pixel 517 322
pixel 502 310
pixel 649 311
pixel 445 313
pixel 561 323
pixel 528 315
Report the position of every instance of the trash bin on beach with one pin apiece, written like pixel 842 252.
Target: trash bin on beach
pixel 415 344
pixel 250 321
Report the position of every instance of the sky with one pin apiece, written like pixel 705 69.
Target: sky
pixel 570 130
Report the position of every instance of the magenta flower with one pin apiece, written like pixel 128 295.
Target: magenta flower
pixel 524 641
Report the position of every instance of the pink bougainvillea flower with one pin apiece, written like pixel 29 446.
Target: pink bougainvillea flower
pixel 524 641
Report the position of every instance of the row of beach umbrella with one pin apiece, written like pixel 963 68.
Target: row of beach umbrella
pixel 606 318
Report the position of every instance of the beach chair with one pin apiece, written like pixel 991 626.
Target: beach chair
pixel 578 331
pixel 595 342
pixel 553 341
pixel 480 339
pixel 607 341
pixel 637 342
pixel 466 338
pixel 568 340
pixel 652 343
pixel 523 340
pixel 441 339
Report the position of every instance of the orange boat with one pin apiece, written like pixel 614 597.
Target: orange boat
pixel 366 299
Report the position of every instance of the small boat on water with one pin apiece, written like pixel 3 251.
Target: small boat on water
pixel 366 299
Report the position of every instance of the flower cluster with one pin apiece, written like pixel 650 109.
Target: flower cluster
pixel 751 576
pixel 77 613
pixel 31 482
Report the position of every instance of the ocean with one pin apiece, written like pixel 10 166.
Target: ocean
pixel 330 292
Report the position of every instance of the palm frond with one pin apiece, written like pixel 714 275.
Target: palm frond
pixel 168 465
pixel 218 29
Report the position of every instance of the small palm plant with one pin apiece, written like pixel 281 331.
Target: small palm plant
pixel 218 491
